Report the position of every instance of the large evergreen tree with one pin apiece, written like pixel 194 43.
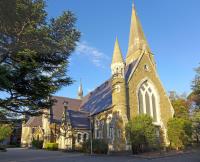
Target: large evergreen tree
pixel 34 54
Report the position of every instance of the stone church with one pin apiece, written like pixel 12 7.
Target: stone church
pixel 134 88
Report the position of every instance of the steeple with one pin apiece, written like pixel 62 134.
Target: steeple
pixel 118 64
pixel 117 55
pixel 80 91
pixel 137 40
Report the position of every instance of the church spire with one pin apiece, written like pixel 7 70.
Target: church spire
pixel 118 65
pixel 137 39
pixel 80 91
pixel 117 55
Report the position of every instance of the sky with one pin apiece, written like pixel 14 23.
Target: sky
pixel 172 28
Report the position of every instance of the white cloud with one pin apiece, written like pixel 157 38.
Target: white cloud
pixel 97 57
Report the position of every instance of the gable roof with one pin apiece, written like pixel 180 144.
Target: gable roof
pixel 56 111
pixel 79 119
pixel 34 121
pixel 58 107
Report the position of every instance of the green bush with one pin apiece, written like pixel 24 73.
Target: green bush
pixel 179 132
pixel 5 131
pixel 37 144
pixel 51 146
pixel 98 146
pixel 142 134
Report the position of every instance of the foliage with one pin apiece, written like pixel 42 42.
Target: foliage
pixel 2 116
pixel 195 95
pixel 34 54
pixel 5 131
pixel 196 125
pixel 51 146
pixel 98 146
pixel 181 108
pixel 142 133
pixel 38 144
pixel 179 132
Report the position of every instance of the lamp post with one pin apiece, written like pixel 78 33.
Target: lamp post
pixel 65 103
pixel 91 151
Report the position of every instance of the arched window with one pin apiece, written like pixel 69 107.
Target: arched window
pixel 79 138
pixel 84 137
pixel 148 100
pixel 110 128
pixel 99 129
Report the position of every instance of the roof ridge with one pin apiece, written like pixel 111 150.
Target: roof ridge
pixel 68 98
pixel 98 87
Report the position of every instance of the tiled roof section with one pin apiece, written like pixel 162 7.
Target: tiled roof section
pixel 98 100
pixel 101 98
pixel 57 111
pixel 78 119
pixel 58 107
pixel 35 121
pixel 129 69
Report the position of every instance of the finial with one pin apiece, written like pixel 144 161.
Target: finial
pixel 133 5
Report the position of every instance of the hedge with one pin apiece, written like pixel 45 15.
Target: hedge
pixel 51 146
pixel 98 146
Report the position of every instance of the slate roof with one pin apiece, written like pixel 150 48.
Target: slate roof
pixel 35 121
pixel 58 107
pixel 79 119
pixel 129 69
pixel 57 111
pixel 98 100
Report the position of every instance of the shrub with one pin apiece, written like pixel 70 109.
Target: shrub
pixel 37 144
pixel 142 134
pixel 5 131
pixel 98 146
pixel 51 146
pixel 179 132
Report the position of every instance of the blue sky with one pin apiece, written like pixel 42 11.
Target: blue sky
pixel 172 28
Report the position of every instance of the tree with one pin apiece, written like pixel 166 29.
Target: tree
pixel 5 131
pixel 196 125
pixel 142 133
pixel 34 54
pixel 179 132
pixel 181 108
pixel 195 95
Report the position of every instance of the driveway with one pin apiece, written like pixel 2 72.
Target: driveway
pixel 28 155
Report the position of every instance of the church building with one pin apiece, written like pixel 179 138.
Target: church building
pixel 134 88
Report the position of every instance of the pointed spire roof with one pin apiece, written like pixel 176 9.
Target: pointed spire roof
pixel 80 91
pixel 137 38
pixel 117 55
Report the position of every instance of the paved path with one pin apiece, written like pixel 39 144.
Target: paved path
pixel 27 155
